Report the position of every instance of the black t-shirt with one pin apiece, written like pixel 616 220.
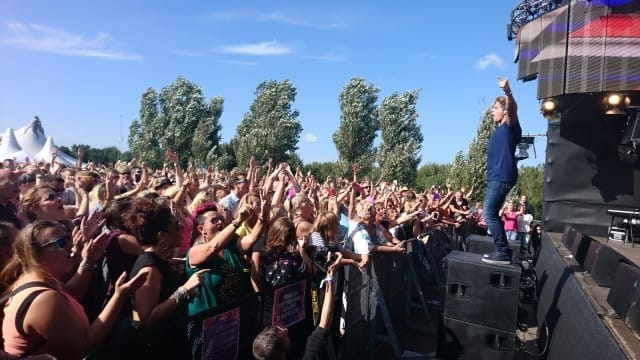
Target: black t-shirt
pixel 459 204
pixel 315 343
pixel 8 213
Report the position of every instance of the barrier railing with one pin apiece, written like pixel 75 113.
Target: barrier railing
pixel 394 291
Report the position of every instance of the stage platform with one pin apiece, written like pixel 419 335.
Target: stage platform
pixel 582 324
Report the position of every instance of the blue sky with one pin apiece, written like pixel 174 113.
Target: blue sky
pixel 82 66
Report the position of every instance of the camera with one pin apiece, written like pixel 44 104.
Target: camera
pixel 319 255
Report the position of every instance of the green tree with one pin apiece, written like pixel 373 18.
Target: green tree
pixel 224 157
pixel 145 133
pixel 271 128
pixel 471 170
pixel 169 121
pixel 530 183
pixel 207 134
pixel 359 123
pixel 432 174
pixel 399 153
pixel 322 169
pixel 183 106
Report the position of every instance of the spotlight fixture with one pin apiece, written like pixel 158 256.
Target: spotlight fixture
pixel 526 141
pixel 616 104
pixel 549 108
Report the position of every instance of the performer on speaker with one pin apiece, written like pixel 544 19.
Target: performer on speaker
pixel 502 171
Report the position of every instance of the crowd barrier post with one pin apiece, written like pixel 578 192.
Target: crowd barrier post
pixel 414 297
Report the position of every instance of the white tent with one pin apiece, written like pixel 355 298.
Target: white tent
pixel 31 137
pixel 10 149
pixel 45 154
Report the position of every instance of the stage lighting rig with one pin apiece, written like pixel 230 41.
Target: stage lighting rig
pixel 629 147
pixel 616 104
pixel 549 108
pixel 526 141
pixel 526 11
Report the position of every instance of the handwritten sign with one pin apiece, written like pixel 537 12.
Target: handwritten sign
pixel 221 335
pixel 288 304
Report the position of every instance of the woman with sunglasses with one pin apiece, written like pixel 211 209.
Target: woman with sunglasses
pixel 220 249
pixel 55 322
pixel 159 304
pixel 43 203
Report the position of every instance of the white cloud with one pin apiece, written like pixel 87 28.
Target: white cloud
pixel 309 137
pixel 265 48
pixel 277 18
pixel 328 57
pixel 488 60
pixel 57 41
pixel 237 62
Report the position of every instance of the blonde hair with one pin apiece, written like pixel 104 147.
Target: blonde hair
pixel 31 199
pixel 202 197
pixel 26 251
pixel 363 209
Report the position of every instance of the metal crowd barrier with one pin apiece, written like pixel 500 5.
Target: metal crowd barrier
pixel 394 291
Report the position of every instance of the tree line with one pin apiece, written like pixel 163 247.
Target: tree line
pixel 181 119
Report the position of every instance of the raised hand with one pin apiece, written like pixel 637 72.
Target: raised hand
pixel 195 280
pixel 95 248
pixel 126 289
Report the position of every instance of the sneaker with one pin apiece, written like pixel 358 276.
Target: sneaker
pixel 497 259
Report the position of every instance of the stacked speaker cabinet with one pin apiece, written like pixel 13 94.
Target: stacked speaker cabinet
pixel 480 310
pixel 624 296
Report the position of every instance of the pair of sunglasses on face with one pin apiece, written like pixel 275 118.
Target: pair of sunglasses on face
pixel 60 242
pixel 52 196
pixel 216 219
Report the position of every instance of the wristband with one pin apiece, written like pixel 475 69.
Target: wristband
pixel 328 280
pixel 235 223
pixel 180 295
pixel 84 265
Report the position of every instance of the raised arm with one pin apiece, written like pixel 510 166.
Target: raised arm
pixel 511 106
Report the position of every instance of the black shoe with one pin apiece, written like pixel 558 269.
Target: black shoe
pixel 496 259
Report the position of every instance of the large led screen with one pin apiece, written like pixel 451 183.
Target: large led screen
pixel 583 46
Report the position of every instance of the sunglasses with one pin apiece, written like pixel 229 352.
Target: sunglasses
pixel 60 242
pixel 52 196
pixel 216 219
pixel 241 181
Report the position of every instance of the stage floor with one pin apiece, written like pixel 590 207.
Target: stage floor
pixel 629 342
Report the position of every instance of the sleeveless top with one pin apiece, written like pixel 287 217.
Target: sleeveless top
pixel 18 344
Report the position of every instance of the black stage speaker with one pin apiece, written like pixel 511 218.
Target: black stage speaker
pixel 479 244
pixel 568 235
pixel 624 296
pixel 480 293
pixel 602 262
pixel 463 340
pixel 592 254
pixel 580 247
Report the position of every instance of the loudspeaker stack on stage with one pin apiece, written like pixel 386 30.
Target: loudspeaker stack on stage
pixel 481 308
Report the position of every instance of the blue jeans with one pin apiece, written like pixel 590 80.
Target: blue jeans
pixel 493 200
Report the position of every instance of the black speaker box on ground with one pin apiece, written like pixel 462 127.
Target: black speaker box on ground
pixel 580 247
pixel 624 296
pixel 602 262
pixel 479 244
pixel 459 339
pixel 568 235
pixel 480 293
pixel 592 254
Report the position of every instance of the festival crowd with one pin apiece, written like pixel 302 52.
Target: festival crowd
pixel 93 255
